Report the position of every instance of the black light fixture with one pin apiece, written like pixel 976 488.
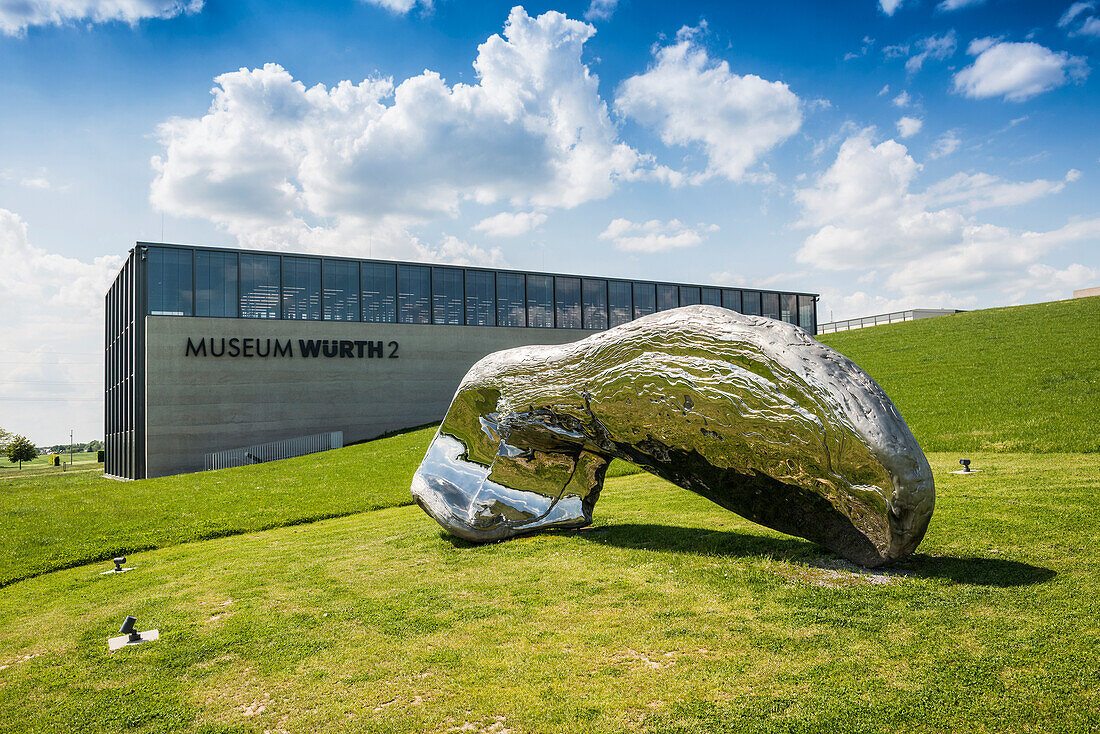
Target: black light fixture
pixel 118 566
pixel 127 628
pixel 965 464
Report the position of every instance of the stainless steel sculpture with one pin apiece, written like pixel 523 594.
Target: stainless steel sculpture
pixel 751 413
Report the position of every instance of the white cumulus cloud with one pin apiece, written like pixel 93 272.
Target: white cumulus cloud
pixel 946 144
pixel 932 47
pixel 399 7
pixel 18 15
pixel 1016 71
pixel 890 6
pixel 926 245
pixel 600 9
pixel 510 224
pixel 52 333
pixel 276 162
pixel 909 126
pixel 691 99
pixel 654 235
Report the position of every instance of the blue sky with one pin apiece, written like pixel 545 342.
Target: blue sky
pixel 884 155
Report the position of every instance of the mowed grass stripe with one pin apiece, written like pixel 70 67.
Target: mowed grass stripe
pixel 672 615
pixel 63 520
pixel 1024 378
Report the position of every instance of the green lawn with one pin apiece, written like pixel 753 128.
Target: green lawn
pixel 54 520
pixel 671 615
pixel 1025 378
pixel 306 595
pixel 44 464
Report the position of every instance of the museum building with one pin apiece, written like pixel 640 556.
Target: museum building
pixel 210 349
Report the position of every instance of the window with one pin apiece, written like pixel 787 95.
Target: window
pixel 260 276
pixel 667 297
pixel 481 308
pixel 169 278
pixel 643 299
pixel 511 300
pixel 595 303
pixel 379 292
pixel 806 313
pixel 731 299
pixel 769 305
pixel 710 297
pixel 448 301
pixel 216 284
pixel 414 288
pixel 301 288
pixel 619 304
pixel 341 290
pixel 689 296
pixel 750 300
pixel 788 308
pixel 540 301
pixel 567 299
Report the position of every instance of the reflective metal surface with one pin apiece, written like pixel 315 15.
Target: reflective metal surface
pixel 749 412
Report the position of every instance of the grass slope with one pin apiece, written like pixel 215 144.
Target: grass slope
pixel 672 615
pixel 1025 378
pixel 59 520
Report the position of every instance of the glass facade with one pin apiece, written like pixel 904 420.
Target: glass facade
pixel 540 301
pixel 448 297
pixel 301 288
pixel 414 294
pixel 644 301
pixel 480 306
pixel 667 297
pixel 750 303
pixel 511 300
pixel 788 308
pixel 595 303
pixel 769 305
pixel 341 290
pixel 170 282
pixel 379 289
pixel 215 283
pixel 620 308
pixel 731 299
pixel 567 301
pixel 260 286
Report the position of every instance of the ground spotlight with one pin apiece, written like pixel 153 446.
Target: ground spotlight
pixel 118 566
pixel 130 636
pixel 966 468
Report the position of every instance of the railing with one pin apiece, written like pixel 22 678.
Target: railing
pixel 884 318
pixel 275 450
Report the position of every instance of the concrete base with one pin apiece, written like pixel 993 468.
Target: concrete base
pixel 117 643
pixel 963 471
pixel 115 570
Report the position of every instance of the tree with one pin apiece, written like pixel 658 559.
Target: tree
pixel 20 449
pixel 5 439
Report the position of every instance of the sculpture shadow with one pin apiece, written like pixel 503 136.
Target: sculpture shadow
pixel 995 572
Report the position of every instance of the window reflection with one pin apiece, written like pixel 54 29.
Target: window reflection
pixel 260 279
pixel 689 295
pixel 379 292
pixel 341 283
pixel 731 299
pixel 619 304
pixel 595 303
pixel 414 288
pixel 667 297
pixel 169 281
pixel 480 304
pixel 788 308
pixel 567 301
pixel 215 283
pixel 806 313
pixel 540 301
pixel 769 305
pixel 447 298
pixel 511 300
pixel 644 299
pixel 710 297
pixel 750 301
pixel 301 288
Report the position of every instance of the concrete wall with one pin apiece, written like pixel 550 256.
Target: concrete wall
pixel 196 404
